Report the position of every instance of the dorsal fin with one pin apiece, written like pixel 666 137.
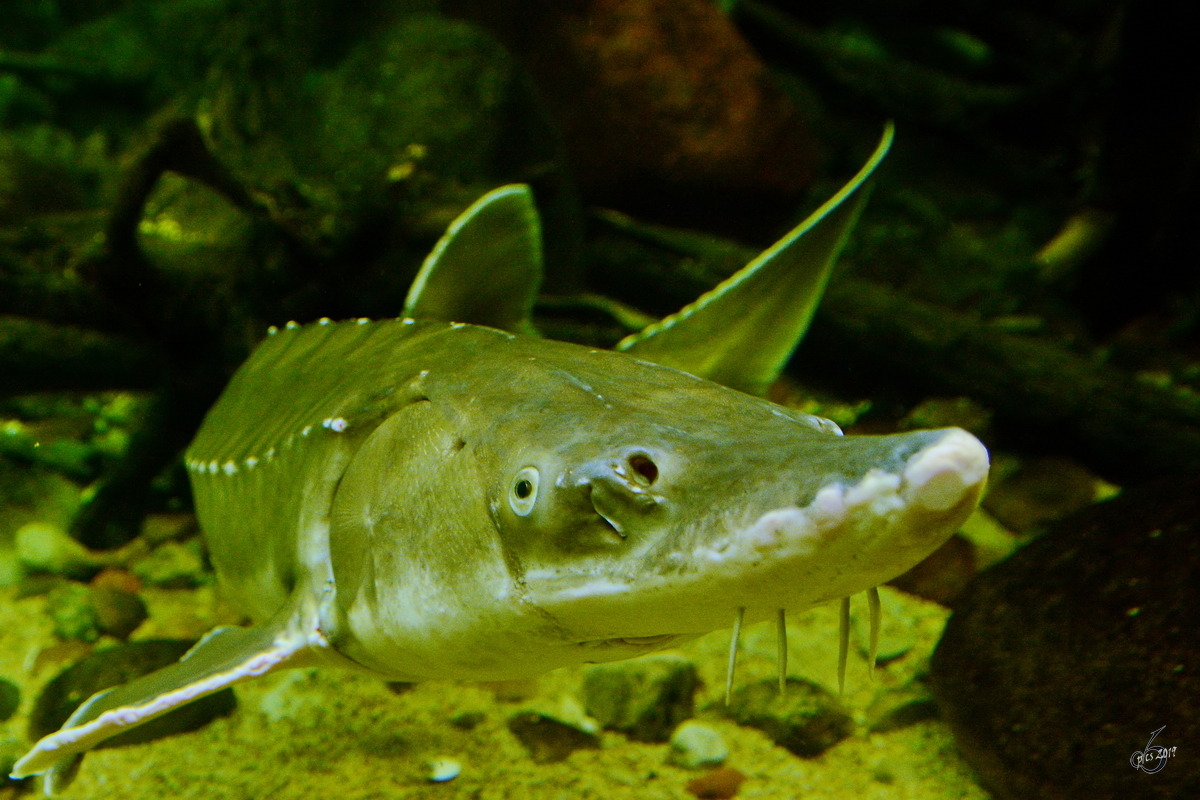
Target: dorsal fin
pixel 487 267
pixel 742 332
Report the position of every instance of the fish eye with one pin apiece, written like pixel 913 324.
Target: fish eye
pixel 523 494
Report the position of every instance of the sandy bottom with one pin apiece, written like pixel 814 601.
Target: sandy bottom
pixel 312 734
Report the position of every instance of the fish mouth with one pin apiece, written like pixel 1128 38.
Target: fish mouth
pixel 625 646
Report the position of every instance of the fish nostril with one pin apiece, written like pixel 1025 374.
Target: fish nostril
pixel 644 466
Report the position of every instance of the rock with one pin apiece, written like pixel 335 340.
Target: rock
pixel 644 698
pixel 666 111
pixel 805 719
pixel 420 117
pixel 467 720
pixel 43 547
pixel 1041 492
pixel 73 610
pixel 1060 663
pixel 443 769
pixel 901 707
pixel 547 739
pixel 119 579
pixel 10 567
pixel 118 613
pixel 720 784
pixel 10 699
pixel 120 664
pixel 697 744
pixel 173 565
pixel 83 613
pixel 943 574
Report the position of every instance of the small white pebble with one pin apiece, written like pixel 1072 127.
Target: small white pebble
pixel 444 769
pixel 697 744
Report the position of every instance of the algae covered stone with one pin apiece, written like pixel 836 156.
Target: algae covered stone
pixel 644 698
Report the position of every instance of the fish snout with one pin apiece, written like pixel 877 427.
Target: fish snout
pixel 943 475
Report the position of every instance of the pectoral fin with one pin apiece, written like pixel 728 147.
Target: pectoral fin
pixel 222 658
pixel 487 267
pixel 742 332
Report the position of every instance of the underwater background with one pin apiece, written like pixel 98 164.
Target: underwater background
pixel 178 175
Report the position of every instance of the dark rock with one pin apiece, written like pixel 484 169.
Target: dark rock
pixel 805 719
pixel 118 613
pixel 10 699
pixel 901 707
pixel 1040 493
pixel 667 113
pixel 120 664
pixel 547 739
pixel 644 698
pixel 467 720
pixel 1060 663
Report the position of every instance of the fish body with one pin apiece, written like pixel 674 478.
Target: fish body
pixel 397 450
pixel 424 498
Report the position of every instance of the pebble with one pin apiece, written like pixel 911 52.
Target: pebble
pixel 697 744
pixel 118 613
pixel 444 769
pixel 720 784
pixel 112 578
pixel 645 698
pixel 42 547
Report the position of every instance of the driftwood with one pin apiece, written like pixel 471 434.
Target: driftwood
pixel 38 356
pixel 869 340
pixel 1045 396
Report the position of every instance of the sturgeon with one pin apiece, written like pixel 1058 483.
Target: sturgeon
pixel 419 498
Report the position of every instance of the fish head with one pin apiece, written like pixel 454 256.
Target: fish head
pixel 636 503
